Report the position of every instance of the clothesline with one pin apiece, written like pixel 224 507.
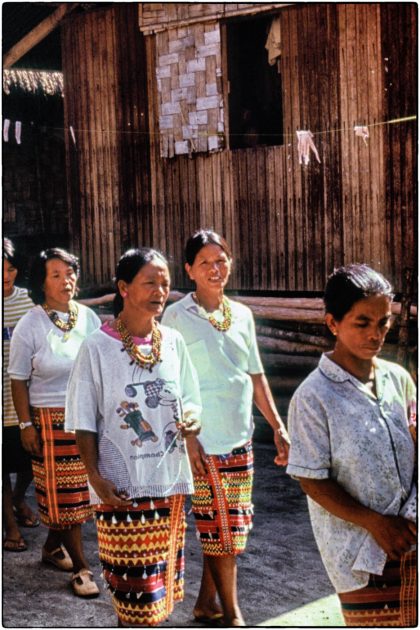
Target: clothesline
pixel 218 133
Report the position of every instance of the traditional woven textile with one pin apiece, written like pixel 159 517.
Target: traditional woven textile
pixel 222 502
pixel 59 475
pixel 142 554
pixel 388 600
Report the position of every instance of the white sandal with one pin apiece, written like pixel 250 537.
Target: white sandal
pixel 83 584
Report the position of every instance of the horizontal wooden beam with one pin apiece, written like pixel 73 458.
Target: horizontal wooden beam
pixel 37 34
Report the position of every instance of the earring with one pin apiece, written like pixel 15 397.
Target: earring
pixel 124 294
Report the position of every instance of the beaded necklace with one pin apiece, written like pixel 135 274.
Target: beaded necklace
pixel 227 315
pixel 143 360
pixel 66 327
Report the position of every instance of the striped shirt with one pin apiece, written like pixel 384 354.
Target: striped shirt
pixel 14 307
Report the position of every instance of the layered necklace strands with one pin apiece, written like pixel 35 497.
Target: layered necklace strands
pixel 227 315
pixel 66 327
pixel 146 361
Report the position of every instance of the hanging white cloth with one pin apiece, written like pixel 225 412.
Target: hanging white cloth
pixel 273 43
pixel 73 137
pixel 18 131
pixel 305 145
pixel 363 132
pixel 6 127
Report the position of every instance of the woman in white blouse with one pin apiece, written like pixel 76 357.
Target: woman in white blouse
pixel 133 400
pixel 351 424
pixel 44 345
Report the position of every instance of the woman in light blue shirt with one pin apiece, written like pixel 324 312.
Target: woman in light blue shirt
pixel 353 453
pixel 221 340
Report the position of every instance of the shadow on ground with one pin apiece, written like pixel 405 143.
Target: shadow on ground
pixel 280 573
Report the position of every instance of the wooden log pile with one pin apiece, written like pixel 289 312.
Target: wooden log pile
pixel 292 336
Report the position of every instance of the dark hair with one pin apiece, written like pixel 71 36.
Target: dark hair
pixel 9 253
pixel 349 284
pixel 38 271
pixel 200 239
pixel 128 267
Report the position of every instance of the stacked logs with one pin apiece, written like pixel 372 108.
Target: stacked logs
pixel 292 336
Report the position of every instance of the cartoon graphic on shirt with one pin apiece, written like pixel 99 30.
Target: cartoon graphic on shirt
pixel 133 419
pixel 157 392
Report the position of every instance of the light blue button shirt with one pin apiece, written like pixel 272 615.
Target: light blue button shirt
pixel 224 362
pixel 340 430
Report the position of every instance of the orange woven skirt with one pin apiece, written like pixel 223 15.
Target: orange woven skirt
pixel 388 600
pixel 59 475
pixel 141 549
pixel 222 502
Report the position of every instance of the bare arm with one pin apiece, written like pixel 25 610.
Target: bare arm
pixel 393 533
pixel 105 489
pixel 31 440
pixel 265 403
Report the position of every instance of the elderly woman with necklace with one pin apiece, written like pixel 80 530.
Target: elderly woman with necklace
pixel 220 336
pixel 44 346
pixel 134 402
pixel 352 450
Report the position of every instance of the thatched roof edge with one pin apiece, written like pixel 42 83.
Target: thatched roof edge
pixel 47 82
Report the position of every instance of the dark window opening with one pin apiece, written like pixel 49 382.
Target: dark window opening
pixel 255 95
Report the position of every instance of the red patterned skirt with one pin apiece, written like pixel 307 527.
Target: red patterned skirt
pixel 388 600
pixel 142 554
pixel 59 475
pixel 222 503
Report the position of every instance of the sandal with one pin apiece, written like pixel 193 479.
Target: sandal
pixel 25 520
pixel 14 545
pixel 58 557
pixel 83 584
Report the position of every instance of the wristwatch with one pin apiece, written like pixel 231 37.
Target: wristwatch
pixel 25 425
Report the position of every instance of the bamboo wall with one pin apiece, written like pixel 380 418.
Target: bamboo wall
pixel 342 65
pixel 290 225
pixel 107 169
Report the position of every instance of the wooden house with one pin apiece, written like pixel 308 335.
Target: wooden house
pixel 156 92
pixel 182 120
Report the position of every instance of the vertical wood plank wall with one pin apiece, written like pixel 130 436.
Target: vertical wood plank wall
pixel 108 169
pixel 288 225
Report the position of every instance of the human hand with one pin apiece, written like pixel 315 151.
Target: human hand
pixel 189 426
pixel 31 441
pixel 394 534
pixel 196 456
pixel 107 492
pixel 282 442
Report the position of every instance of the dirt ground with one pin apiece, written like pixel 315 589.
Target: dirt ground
pixel 280 571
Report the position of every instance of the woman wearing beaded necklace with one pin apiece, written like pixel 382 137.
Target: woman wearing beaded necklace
pixel 133 400
pixel 220 336
pixel 43 348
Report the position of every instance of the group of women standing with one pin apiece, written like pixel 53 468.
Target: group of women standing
pixel 152 412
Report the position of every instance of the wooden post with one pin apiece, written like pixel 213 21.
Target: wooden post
pixel 403 336
pixel 37 34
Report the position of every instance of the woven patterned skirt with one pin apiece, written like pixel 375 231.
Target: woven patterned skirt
pixel 142 554
pixel 222 503
pixel 59 475
pixel 388 600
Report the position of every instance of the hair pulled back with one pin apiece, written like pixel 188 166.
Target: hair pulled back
pixel 128 267
pixel 200 239
pixel 351 283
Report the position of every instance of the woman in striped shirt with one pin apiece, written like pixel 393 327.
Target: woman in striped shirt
pixel 16 303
